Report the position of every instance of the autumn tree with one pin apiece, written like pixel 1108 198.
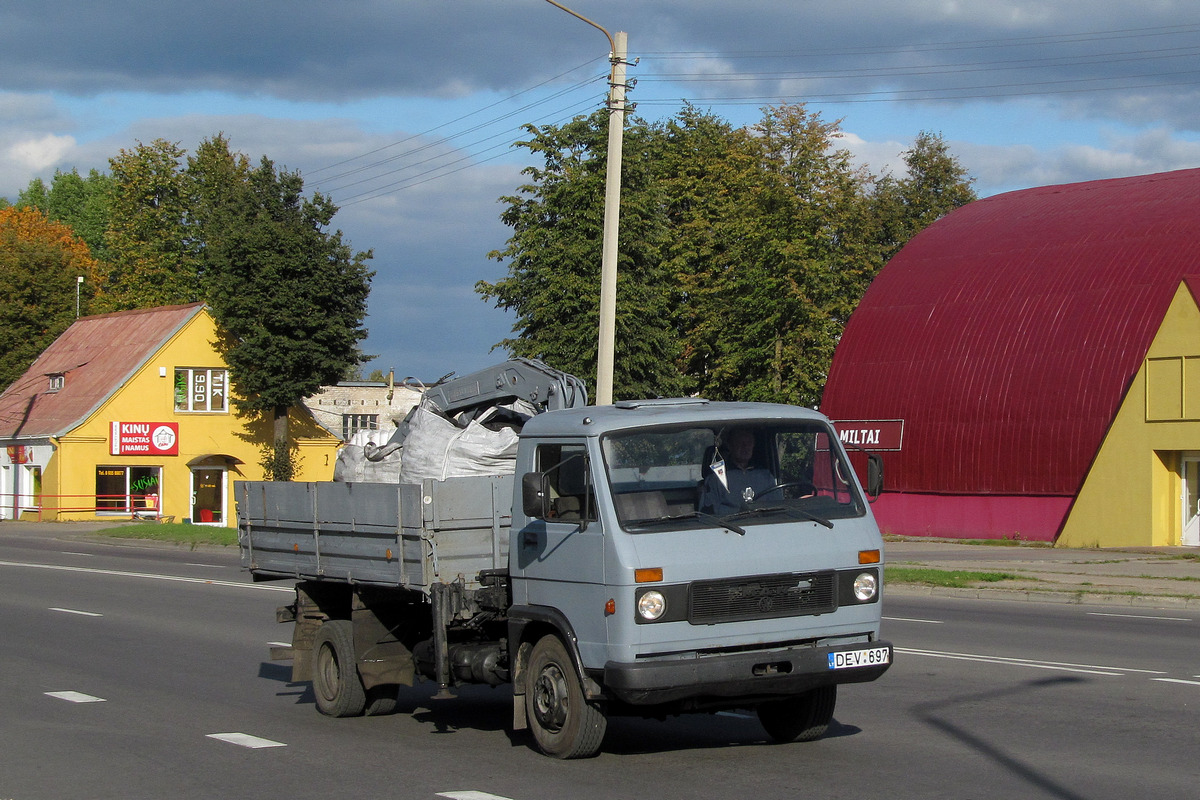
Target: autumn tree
pixel 40 261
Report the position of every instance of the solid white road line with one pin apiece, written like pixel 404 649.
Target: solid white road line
pixel 1090 669
pixel 907 619
pixel 1138 616
pixel 76 697
pixel 471 794
pixel 1177 680
pixel 147 575
pixel 74 611
pixel 245 740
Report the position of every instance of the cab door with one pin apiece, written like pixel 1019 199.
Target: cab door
pixel 557 560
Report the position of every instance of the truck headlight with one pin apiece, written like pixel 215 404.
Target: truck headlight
pixel 651 605
pixel 865 586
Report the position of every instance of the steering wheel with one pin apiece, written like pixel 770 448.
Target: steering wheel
pixel 781 486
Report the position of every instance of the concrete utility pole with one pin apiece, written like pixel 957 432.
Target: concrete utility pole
pixel 612 211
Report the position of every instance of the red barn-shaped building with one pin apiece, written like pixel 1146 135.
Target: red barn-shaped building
pixel 1002 345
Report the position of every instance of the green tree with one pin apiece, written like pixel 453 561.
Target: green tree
pixel 935 184
pixel 554 260
pixel 152 256
pixel 40 260
pixel 793 255
pixel 82 203
pixel 289 296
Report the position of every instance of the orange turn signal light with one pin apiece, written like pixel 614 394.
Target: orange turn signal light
pixel 868 556
pixel 648 575
pixel 610 607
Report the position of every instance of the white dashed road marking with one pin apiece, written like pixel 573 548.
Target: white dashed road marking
pixel 471 794
pixel 74 611
pixel 245 740
pixel 75 697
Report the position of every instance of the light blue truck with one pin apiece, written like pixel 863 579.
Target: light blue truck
pixel 606 575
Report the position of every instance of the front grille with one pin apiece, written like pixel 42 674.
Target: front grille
pixel 762 597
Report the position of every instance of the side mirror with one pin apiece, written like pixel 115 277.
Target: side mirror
pixel 535 495
pixel 874 476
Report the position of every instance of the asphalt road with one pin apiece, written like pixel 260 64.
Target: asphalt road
pixel 166 651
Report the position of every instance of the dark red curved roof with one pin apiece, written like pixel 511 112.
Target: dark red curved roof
pixel 1006 334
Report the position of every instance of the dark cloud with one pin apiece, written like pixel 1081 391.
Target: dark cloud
pixel 753 51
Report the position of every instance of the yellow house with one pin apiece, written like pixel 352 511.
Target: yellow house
pixel 1143 488
pixel 129 414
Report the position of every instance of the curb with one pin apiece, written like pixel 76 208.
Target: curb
pixel 1117 600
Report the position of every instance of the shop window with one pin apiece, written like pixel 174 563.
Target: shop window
pixel 127 490
pixel 353 423
pixel 200 389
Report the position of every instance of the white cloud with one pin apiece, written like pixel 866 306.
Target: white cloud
pixel 40 153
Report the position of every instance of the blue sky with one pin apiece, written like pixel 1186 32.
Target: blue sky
pixel 404 111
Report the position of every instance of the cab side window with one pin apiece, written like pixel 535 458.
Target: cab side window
pixel 567 469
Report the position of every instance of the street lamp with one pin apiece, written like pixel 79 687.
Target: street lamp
pixel 612 211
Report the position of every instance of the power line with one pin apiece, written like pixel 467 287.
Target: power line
pixel 1140 46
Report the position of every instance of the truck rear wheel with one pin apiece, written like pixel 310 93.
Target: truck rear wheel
pixel 799 719
pixel 338 689
pixel 564 723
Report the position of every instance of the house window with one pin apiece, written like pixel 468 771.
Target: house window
pixel 125 490
pixel 57 381
pixel 199 389
pixel 353 423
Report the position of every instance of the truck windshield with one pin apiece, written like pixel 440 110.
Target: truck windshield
pixel 734 476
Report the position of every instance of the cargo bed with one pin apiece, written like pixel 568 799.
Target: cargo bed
pixel 405 535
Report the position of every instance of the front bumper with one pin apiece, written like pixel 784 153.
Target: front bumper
pixel 752 675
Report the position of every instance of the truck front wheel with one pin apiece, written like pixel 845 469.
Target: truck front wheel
pixel 338 689
pixel 799 719
pixel 564 723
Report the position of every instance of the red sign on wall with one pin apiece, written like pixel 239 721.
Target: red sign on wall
pixel 144 439
pixel 877 434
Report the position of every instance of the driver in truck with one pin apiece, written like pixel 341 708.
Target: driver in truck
pixel 731 478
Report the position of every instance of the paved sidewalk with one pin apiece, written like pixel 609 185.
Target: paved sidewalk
pixel 1151 577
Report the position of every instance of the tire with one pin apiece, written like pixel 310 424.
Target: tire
pixel 563 722
pixel 799 719
pixel 382 700
pixel 338 689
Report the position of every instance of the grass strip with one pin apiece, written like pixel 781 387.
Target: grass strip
pixel 174 532
pixel 953 579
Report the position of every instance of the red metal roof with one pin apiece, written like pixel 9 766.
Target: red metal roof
pixel 1006 334
pixel 96 355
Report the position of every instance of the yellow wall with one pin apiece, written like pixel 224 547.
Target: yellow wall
pixel 1131 496
pixel 148 396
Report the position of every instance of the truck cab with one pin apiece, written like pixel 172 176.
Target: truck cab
pixel 656 566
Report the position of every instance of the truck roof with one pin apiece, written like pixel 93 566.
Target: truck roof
pixel 629 414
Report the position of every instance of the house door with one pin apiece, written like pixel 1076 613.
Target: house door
pixel 208 496
pixel 1190 469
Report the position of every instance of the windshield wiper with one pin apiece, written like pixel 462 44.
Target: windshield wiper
pixel 795 513
pixel 700 515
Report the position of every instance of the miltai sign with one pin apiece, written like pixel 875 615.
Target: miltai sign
pixel 144 439
pixel 876 434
